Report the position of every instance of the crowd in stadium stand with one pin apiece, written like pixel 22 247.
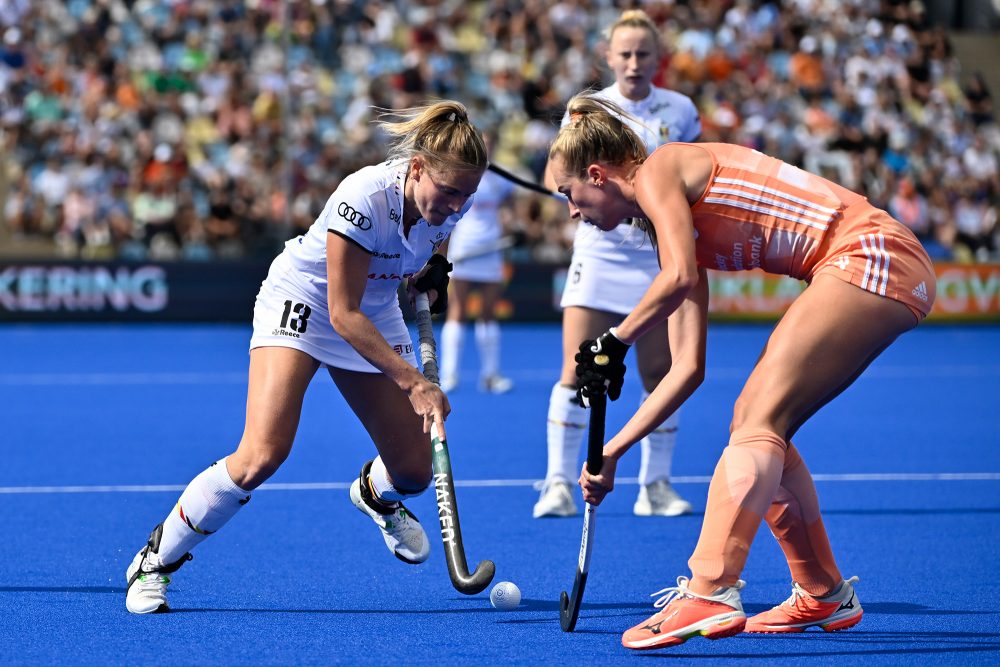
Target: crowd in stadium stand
pixel 176 129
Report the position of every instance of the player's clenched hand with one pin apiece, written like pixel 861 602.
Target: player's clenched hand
pixel 433 278
pixel 595 487
pixel 431 404
pixel 600 362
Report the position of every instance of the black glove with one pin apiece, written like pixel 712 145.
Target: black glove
pixel 600 365
pixel 436 278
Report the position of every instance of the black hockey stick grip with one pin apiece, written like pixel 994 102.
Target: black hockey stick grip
pixel 517 180
pixel 444 485
pixel 569 605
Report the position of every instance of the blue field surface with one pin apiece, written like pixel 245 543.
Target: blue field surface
pixel 103 425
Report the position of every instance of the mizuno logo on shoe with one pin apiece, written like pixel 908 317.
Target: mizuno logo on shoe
pixel 655 627
pixel 847 605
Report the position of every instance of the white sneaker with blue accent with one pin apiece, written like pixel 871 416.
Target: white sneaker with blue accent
pixel 556 500
pixel 660 499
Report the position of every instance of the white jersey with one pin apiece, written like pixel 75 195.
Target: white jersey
pixel 367 209
pixel 611 270
pixel 479 232
pixel 663 116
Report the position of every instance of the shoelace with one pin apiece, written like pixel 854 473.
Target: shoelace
pixel 541 485
pixel 681 590
pixel 670 593
pixel 660 493
pixel 407 529
pixel 799 593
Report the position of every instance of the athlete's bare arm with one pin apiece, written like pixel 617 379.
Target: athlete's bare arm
pixel 688 327
pixel 662 194
pixel 347 272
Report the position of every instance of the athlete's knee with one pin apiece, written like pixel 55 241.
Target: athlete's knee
pixel 252 466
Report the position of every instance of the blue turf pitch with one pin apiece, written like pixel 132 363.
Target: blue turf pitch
pixel 103 425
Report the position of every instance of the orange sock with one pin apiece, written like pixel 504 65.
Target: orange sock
pixel 745 481
pixel 796 523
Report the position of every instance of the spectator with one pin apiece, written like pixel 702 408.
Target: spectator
pixel 811 82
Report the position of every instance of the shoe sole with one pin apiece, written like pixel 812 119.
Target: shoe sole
pixel 715 630
pixel 831 626
pixel 162 609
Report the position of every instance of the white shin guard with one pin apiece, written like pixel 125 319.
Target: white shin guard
pixel 567 424
pixel 488 344
pixel 658 450
pixel 452 341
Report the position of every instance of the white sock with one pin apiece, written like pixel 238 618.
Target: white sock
pixel 208 502
pixel 452 340
pixel 488 343
pixel 382 484
pixel 567 424
pixel 658 450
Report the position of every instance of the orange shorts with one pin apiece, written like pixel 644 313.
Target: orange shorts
pixel 868 248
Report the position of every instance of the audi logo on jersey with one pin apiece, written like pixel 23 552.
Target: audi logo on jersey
pixel 351 215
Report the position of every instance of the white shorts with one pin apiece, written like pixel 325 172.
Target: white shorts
pixel 283 317
pixel 482 269
pixel 606 284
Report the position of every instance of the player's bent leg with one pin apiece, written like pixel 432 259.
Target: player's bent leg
pixel 278 380
pixel 403 467
pixel 838 610
pixel 795 521
pixel 684 614
pixel 745 480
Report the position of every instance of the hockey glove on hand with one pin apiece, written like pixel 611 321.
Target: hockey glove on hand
pixel 600 365
pixel 435 277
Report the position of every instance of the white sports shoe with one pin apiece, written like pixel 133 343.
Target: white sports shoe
pixel 660 499
pixel 400 528
pixel 496 384
pixel 556 500
pixel 449 383
pixel 147 578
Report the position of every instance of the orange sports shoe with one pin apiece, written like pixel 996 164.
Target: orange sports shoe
pixel 835 612
pixel 685 614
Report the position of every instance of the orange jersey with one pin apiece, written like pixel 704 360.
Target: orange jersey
pixel 759 212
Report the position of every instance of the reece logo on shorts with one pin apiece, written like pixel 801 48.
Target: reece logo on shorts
pixel 351 215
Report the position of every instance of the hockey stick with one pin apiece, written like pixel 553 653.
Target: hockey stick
pixel 517 180
pixel 569 605
pixel 499 245
pixel 444 485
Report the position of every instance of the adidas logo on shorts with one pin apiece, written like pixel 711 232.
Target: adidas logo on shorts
pixel 920 291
